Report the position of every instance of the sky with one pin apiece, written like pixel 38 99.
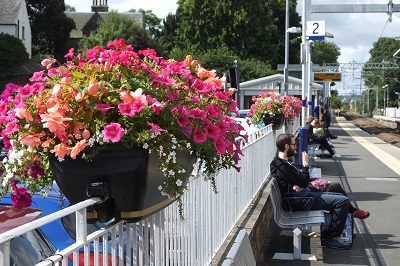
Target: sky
pixel 160 8
pixel 353 33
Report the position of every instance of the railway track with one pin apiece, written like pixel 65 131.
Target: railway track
pixel 381 130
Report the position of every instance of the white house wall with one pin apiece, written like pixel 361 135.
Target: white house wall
pixel 24 23
pixel 16 22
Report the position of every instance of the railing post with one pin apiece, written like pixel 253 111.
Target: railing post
pixel 5 253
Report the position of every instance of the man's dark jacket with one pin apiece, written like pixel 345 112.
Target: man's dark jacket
pixel 287 175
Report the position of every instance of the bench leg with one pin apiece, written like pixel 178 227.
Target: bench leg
pixel 296 255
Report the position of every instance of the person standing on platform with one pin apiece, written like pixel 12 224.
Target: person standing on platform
pixel 319 112
pixel 327 119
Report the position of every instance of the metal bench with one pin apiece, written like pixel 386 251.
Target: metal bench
pixel 294 220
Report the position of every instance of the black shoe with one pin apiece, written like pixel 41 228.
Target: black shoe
pixel 336 243
pixel 333 137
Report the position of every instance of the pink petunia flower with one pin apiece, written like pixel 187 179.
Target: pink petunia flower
pixel 20 198
pixel 103 108
pixel 199 136
pixel 36 170
pixel 220 145
pixel 113 132
pixel 37 76
pixel 155 128
pixel 211 130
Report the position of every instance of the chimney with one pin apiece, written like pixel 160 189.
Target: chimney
pixel 99 6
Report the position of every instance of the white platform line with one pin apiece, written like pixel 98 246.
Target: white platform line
pixel 382 179
pixel 392 162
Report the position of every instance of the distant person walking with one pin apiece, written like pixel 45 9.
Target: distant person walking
pixel 327 119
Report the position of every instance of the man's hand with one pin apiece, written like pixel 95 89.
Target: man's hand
pixel 305 158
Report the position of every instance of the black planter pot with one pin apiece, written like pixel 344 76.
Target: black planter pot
pixel 127 178
pixel 276 120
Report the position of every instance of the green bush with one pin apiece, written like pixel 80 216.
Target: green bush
pixel 12 53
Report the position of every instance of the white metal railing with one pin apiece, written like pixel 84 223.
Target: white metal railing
pixel 163 238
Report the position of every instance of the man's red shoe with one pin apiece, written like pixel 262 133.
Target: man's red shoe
pixel 360 214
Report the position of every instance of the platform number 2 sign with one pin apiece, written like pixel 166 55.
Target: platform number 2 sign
pixel 316 30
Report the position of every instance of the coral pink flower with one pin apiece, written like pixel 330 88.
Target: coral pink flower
pixel 93 88
pixel 47 142
pixel 32 141
pixel 86 134
pixel 107 66
pixel 131 97
pixel 23 113
pixel 77 128
pixel 57 90
pixel 53 120
pixel 80 146
pixel 113 132
pixel 61 150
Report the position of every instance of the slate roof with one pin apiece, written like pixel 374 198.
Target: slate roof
pixel 9 11
pixel 83 18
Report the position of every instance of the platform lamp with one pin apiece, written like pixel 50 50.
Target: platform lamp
pixel 385 99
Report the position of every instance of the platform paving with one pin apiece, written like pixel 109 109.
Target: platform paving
pixel 369 170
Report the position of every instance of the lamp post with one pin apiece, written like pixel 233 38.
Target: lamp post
pixel 376 96
pixel 385 97
pixel 368 100
pixel 285 69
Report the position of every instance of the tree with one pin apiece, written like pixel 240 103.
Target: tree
pixel 324 52
pixel 381 52
pixel 152 22
pixel 221 58
pixel 115 26
pixel 69 8
pixel 168 32
pixel 252 29
pixel 12 53
pixel 50 27
pixel 335 102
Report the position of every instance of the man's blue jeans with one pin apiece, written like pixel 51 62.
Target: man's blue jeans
pixel 336 203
